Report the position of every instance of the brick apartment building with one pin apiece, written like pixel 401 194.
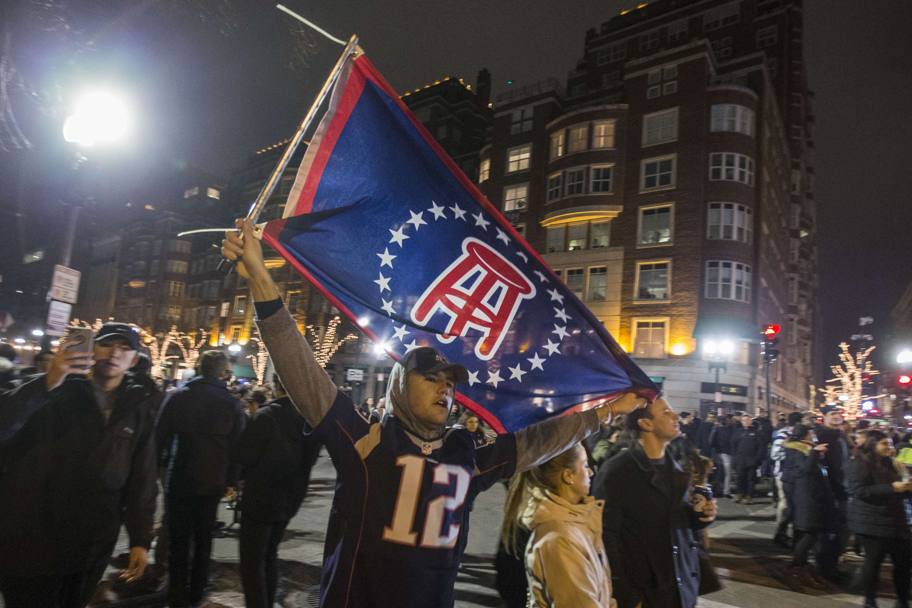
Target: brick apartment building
pixel 670 185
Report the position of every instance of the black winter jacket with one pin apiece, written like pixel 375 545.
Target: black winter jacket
pixel 805 469
pixel 277 454
pixel 874 508
pixel 837 459
pixel 648 531
pixel 198 430
pixel 749 447
pixel 68 479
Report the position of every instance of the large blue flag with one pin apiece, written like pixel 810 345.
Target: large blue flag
pixel 385 224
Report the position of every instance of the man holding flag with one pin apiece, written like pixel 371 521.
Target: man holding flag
pixel 405 485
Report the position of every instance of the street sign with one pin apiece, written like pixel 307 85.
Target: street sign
pixel 58 318
pixel 354 374
pixel 65 284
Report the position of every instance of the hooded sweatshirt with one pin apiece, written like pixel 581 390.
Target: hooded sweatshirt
pixel 566 562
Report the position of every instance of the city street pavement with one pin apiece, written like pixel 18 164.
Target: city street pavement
pixel 750 565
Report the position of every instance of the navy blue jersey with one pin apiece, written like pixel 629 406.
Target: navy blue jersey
pixel 399 519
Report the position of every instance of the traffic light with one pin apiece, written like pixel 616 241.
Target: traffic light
pixel 904 381
pixel 771 342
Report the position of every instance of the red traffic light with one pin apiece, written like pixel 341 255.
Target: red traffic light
pixel 771 331
pixel 905 380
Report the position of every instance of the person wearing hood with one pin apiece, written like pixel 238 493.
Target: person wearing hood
pixel 565 558
pixel 406 484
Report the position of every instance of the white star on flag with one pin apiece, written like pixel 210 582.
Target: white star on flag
pixel 555 295
pixel 458 212
pixel 388 307
pixel 561 314
pixel 473 378
pixel 552 348
pixel 536 362
pixel 502 236
pixel 516 373
pixel 385 258
pixel 541 276
pixel 417 219
pixel 494 378
pixel 480 221
pixel 383 282
pixel 411 346
pixel 560 330
pixel 400 332
pixel 398 235
pixel 437 210
pixel 524 257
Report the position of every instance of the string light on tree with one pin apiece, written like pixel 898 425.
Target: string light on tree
pixel 846 387
pixel 324 343
pixel 260 359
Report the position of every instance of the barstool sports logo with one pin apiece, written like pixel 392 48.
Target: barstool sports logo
pixel 478 293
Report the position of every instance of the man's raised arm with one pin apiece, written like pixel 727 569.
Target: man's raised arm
pixel 541 442
pixel 308 385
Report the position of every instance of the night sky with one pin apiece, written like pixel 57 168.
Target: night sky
pixel 209 100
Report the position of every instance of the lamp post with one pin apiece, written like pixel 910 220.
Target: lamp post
pixel 719 350
pixel 99 118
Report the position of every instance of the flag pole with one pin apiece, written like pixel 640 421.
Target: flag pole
pixel 269 187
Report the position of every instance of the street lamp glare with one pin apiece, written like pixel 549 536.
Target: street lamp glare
pixel 726 347
pixel 904 356
pixel 380 349
pixel 99 117
pixel 37 333
pixel 710 347
pixel 234 348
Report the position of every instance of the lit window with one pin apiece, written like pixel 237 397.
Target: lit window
pixel 728 281
pixel 213 193
pixel 575 182
pixel 600 179
pixel 240 305
pixel 729 117
pixel 516 198
pixel 649 339
pixel 576 236
pixel 731 167
pixel 579 138
pixel 191 192
pixel 484 170
pixel 730 222
pixel 518 158
pixel 599 234
pixel 554 187
pixel 655 225
pixel 558 148
pixel 598 284
pixel 657 173
pixel 652 281
pixel 603 134
pixel 660 127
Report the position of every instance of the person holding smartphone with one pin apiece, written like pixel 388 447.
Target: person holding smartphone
pixel 77 460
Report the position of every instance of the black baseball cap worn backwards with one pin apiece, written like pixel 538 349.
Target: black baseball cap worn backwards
pixel 427 360
pixel 118 330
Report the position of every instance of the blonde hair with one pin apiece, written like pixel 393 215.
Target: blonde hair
pixel 545 476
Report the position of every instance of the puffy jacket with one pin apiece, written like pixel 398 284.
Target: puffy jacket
pixel 749 447
pixel 277 454
pixel 874 508
pixel 198 430
pixel 566 563
pixel 68 479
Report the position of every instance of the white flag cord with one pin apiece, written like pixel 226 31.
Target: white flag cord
pixel 309 24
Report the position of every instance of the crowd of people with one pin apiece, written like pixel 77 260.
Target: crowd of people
pixel 607 507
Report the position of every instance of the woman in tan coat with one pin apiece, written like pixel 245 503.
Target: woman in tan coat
pixel 565 559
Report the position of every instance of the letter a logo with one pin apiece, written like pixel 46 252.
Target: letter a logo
pixel 481 290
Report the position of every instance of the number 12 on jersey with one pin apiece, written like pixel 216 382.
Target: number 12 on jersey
pixel 401 529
